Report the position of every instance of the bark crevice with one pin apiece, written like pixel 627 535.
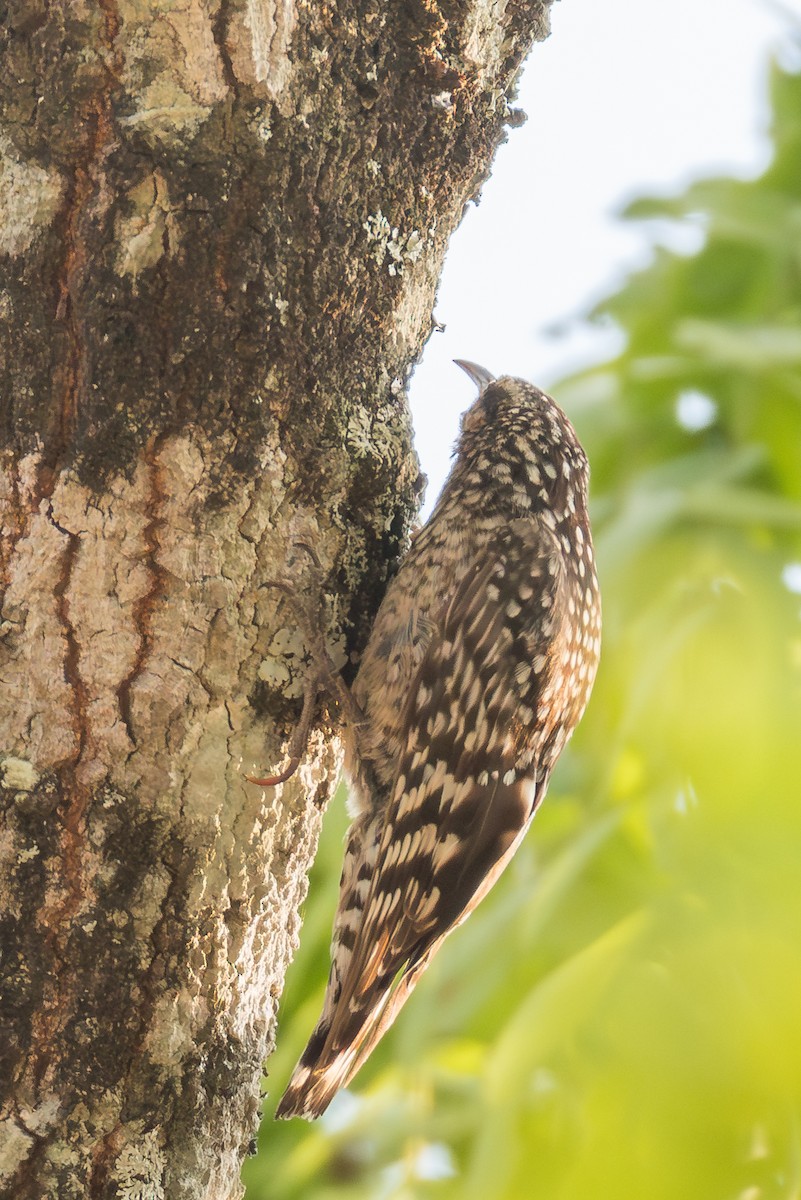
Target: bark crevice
pixel 143 606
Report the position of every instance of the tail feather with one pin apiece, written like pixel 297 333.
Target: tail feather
pixel 328 1065
pixel 312 1088
pixel 329 1062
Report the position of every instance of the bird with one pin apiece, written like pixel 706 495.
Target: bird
pixel 477 669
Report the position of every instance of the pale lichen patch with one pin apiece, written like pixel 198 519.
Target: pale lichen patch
pixel 282 665
pixel 18 774
pixel 177 1017
pixel 140 1167
pixel 41 1118
pixel 358 432
pixel 15 1146
pixel 17 1135
pixel 167 112
pixel 172 67
pixel 29 199
pixel 258 38
pixel 390 246
pixel 148 230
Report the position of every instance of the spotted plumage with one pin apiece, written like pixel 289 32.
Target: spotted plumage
pixel 477 670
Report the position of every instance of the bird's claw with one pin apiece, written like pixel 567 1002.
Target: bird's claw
pixel 282 776
pixel 324 675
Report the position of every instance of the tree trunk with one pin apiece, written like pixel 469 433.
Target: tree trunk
pixel 221 227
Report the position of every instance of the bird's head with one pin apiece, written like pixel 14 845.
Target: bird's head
pixel 516 426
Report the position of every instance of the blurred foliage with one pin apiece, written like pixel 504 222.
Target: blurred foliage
pixel 622 1017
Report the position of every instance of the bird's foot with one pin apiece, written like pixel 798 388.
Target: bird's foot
pixel 323 676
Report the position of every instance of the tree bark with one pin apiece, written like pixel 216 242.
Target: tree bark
pixel 221 228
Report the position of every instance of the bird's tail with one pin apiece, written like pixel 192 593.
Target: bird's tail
pixel 333 1056
pixel 316 1080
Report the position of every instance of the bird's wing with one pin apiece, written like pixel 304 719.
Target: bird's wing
pixel 466 785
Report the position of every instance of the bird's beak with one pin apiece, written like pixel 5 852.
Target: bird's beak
pixel 480 375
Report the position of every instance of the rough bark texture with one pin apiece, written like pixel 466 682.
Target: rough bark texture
pixel 221 227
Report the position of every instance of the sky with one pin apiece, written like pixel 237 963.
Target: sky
pixel 626 98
